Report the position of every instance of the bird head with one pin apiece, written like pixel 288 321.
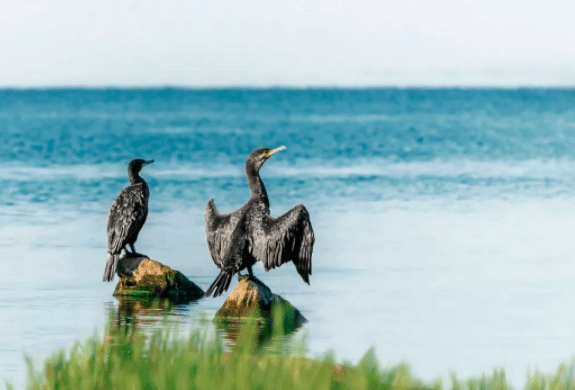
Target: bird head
pixel 258 157
pixel 137 164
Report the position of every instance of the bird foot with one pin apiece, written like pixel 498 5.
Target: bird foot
pixel 242 277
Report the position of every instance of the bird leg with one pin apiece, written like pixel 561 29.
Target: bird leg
pixel 133 253
pixel 249 276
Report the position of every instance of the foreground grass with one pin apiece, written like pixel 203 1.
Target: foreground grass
pixel 128 360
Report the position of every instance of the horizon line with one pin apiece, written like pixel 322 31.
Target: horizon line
pixel 168 86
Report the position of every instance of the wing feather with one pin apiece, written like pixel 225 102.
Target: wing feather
pixel 287 238
pixel 218 232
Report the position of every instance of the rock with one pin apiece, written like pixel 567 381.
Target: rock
pixel 253 299
pixel 141 276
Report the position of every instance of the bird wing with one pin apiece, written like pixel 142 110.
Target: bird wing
pixel 218 232
pixel 127 216
pixel 286 238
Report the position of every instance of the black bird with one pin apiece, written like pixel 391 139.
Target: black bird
pixel 127 216
pixel 237 240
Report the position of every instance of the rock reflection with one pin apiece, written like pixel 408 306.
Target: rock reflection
pixel 267 332
pixel 131 314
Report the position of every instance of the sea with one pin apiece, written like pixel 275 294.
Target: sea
pixel 443 217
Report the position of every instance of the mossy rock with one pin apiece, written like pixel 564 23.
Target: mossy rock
pixel 251 299
pixel 144 277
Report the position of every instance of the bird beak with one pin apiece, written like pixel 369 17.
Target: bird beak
pixel 269 153
pixel 148 162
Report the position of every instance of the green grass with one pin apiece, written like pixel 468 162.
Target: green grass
pixel 125 359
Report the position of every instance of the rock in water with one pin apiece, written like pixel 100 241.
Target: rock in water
pixel 141 276
pixel 253 299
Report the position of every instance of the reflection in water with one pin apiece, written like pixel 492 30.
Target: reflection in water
pixel 130 315
pixel 268 332
pixel 147 314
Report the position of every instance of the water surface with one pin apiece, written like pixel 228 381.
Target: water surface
pixel 443 218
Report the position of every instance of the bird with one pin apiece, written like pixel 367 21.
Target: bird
pixel 239 239
pixel 127 216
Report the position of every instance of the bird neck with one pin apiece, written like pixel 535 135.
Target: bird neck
pixel 135 177
pixel 256 184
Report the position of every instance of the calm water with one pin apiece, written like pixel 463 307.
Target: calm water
pixel 443 218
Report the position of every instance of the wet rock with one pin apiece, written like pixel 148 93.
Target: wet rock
pixel 141 276
pixel 253 299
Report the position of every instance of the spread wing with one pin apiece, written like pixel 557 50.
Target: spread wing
pixel 127 216
pixel 219 229
pixel 286 238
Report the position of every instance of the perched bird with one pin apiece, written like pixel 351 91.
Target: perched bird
pixel 127 216
pixel 237 240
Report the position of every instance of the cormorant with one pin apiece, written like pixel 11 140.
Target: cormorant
pixel 127 216
pixel 239 239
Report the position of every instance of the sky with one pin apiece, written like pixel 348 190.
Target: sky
pixel 265 43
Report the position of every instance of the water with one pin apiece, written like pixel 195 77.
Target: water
pixel 443 218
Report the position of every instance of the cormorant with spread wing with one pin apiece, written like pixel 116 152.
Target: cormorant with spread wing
pixel 127 216
pixel 237 240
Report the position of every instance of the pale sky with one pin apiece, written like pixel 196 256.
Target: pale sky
pixel 287 43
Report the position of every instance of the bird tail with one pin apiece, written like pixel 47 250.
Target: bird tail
pixel 110 269
pixel 221 284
